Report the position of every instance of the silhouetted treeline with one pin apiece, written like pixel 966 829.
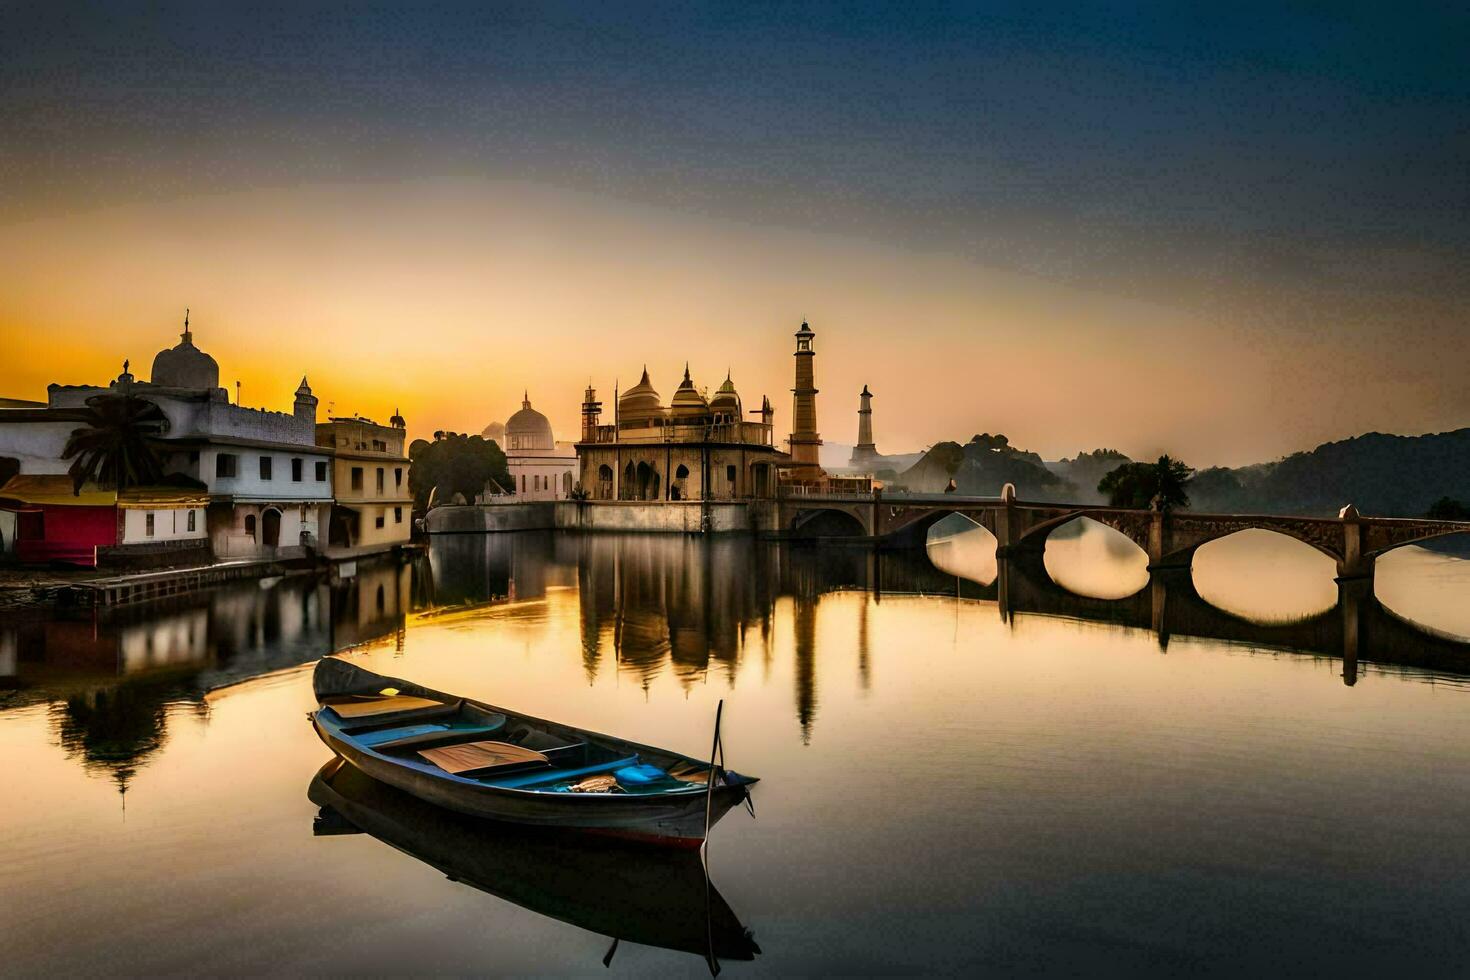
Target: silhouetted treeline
pixel 1385 475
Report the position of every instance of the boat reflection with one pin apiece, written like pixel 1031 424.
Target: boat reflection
pixel 618 889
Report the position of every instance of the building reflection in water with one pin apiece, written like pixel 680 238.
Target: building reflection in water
pixel 648 605
pixel 114 676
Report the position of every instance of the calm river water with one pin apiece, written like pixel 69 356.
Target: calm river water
pixel 950 783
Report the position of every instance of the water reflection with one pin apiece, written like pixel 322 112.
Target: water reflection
pixel 1429 585
pixel 113 675
pixel 1265 577
pixel 959 546
pixel 623 891
pixel 1092 559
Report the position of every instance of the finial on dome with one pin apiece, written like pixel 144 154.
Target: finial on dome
pixel 187 336
pixel 686 372
pixel 526 398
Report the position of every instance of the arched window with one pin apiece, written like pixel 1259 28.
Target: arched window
pixel 566 484
pixel 250 524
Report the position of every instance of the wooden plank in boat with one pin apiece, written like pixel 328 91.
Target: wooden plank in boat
pixel 382 706
pixel 472 756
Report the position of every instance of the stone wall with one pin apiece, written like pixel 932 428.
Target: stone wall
pixel 683 517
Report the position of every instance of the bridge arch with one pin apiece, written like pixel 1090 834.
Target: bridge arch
pixel 828 522
pixel 1427 535
pixel 1264 576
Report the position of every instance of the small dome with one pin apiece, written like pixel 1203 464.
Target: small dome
pixel 688 402
pixel 398 421
pixel 184 365
pixel 640 401
pixel 528 429
pixel 494 432
pixel 726 400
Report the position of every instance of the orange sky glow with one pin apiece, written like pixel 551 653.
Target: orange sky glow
pixel 446 297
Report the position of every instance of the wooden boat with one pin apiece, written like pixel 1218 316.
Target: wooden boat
pixel 489 762
pixel 618 889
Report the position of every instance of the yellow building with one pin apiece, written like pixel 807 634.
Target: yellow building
pixel 372 509
pixel 696 448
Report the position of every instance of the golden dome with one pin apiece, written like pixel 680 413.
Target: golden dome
pixel 640 401
pixel 688 402
pixel 726 400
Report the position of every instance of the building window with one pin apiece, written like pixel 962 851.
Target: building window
pixel 380 481
pixel 265 467
pixel 321 472
pixel 296 466
pixel 380 446
pixel 225 465
pixel 379 521
pixel 397 515
pixel 730 476
pixel 148 524
pixel 357 478
pixel 191 520
pixel 250 524
pixel 523 483
pixel 398 476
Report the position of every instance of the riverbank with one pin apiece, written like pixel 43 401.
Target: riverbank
pixel 21 586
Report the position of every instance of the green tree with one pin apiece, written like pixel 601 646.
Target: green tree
pixel 455 463
pixel 1137 485
pixel 112 449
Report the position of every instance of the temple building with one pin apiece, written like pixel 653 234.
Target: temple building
pixel 805 443
pixel 864 454
pixel 540 467
pixel 695 448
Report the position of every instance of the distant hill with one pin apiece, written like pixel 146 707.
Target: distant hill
pixel 1384 475
pixel 981 467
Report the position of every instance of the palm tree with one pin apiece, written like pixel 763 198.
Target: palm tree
pixel 112 449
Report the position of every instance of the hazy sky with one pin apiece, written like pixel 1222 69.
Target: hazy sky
pixel 1227 232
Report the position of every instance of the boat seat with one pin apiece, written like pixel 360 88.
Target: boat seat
pixel 542 777
pixel 405 736
pixel 374 705
pixel 482 757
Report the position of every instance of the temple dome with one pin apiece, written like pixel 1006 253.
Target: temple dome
pixel 494 432
pixel 688 402
pixel 640 401
pixel 528 429
pixel 184 365
pixel 726 400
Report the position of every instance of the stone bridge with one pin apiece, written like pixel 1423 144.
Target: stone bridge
pixel 1169 538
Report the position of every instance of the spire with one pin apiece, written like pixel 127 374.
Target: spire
pixel 525 399
pixel 686 373
pixel 187 337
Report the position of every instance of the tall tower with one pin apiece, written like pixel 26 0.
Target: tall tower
pixel 591 413
pixel 804 439
pixel 306 402
pixel 864 453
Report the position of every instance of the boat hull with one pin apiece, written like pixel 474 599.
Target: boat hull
pixel 676 820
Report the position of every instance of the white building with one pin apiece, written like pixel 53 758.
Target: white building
pixel 540 467
pixel 269 485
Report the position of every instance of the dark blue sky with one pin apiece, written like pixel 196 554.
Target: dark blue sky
pixel 1081 136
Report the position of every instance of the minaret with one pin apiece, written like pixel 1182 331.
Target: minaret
pixel 864 452
pixel 804 438
pixel 305 402
pixel 591 413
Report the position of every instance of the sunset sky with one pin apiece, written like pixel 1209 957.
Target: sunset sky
pixel 1228 232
